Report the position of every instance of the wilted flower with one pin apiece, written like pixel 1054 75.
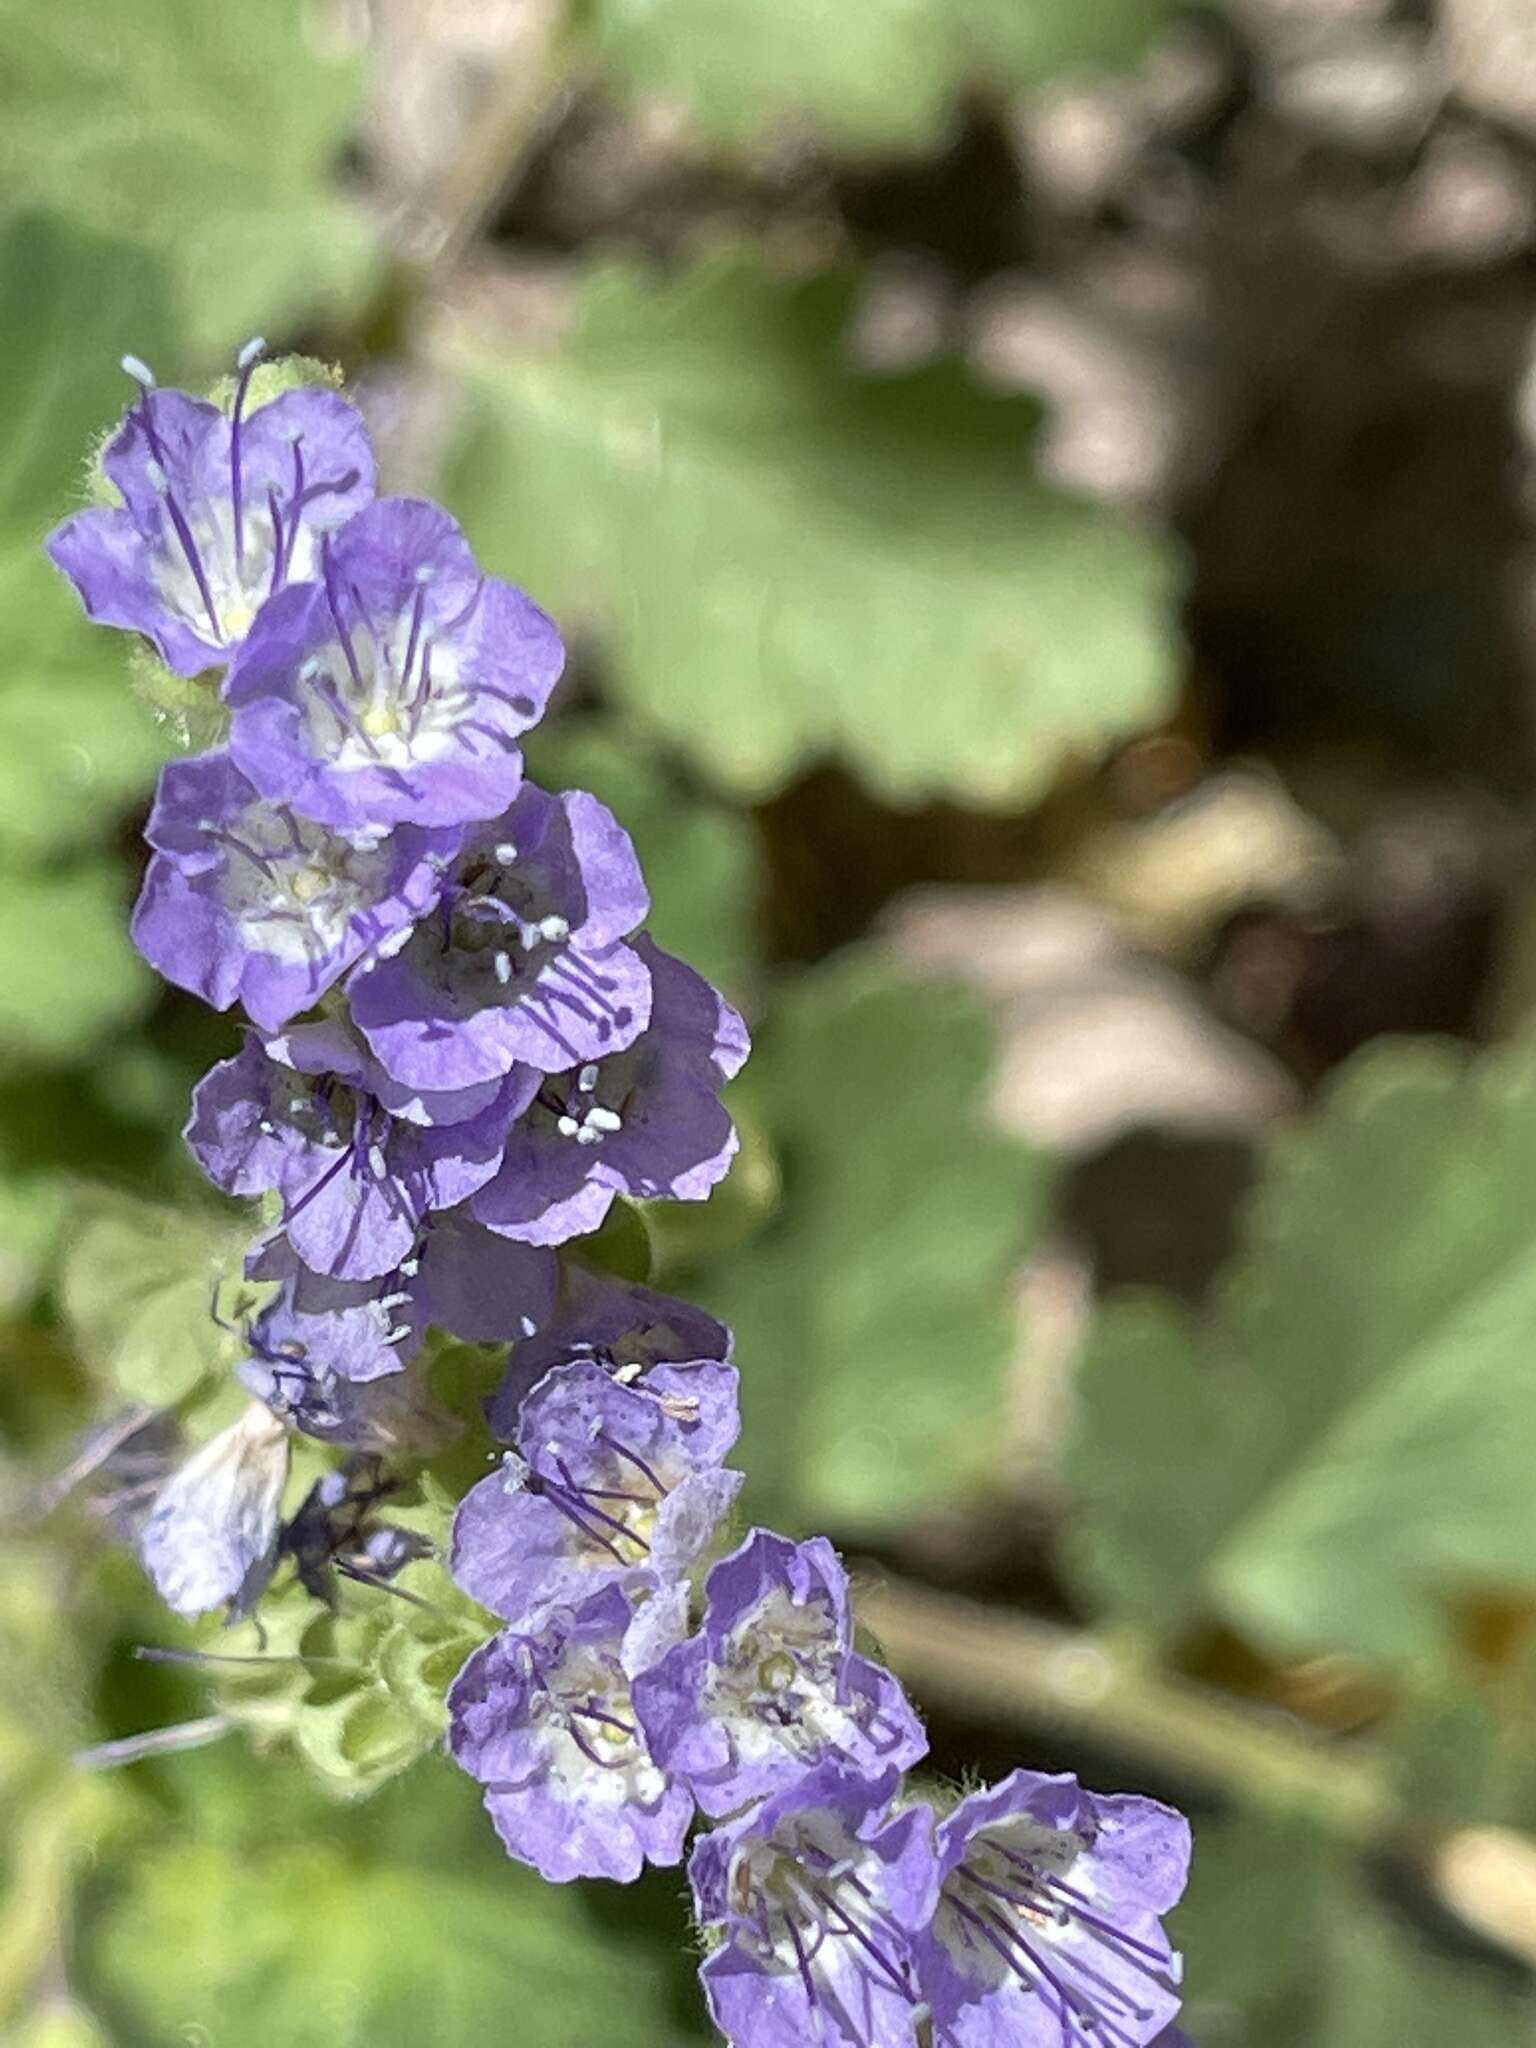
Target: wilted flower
pixel 210 1539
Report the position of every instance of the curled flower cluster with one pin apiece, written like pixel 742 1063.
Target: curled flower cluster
pixel 461 1047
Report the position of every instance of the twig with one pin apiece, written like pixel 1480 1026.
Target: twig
pixel 445 225
pixel 1008 1667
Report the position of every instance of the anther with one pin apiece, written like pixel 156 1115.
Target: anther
pixel 505 852
pixel 140 372
pixel 586 1080
pixel 255 347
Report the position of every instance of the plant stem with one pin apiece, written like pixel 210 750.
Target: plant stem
pixel 1009 1667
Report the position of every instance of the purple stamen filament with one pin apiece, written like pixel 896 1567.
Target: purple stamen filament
pixel 178 518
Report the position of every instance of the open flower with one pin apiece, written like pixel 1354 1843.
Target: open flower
pixel 819 1894
pixel 357 1175
pixel 543 1718
pixel 525 964
pixel 218 511
pixel 1047 1926
pixel 394 687
pixel 647 1121
pixel 247 902
pixel 609 1487
pixel 772 1685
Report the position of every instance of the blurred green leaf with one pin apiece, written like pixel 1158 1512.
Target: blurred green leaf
pixel 71 302
pixel 70 747
pixel 872 1316
pixel 883 74
pixel 701 860
pixel 358 1690
pixel 302 1944
pixel 68 971
pixel 791 561
pixel 1262 1897
pixel 204 131
pixel 138 1290
pixel 1345 1442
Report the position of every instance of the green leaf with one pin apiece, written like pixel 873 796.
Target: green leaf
pixel 1287 1941
pixel 358 1688
pixel 208 132
pixel 1346 1435
pixel 69 974
pixel 74 751
pixel 882 74
pixel 138 1291
pixel 872 1316
pixel 701 860
pixel 791 561
pixel 303 1944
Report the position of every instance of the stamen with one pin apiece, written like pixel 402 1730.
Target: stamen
pixel 633 1458
pixel 246 362
pixel 107 1756
pixel 586 1080
pixel 173 509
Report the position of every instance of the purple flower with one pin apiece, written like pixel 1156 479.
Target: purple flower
pixel 211 1537
pixel 771 1685
pixel 393 688
pixel 610 1487
pixel 219 511
pixel 544 1720
pixel 245 901
pixel 357 1174
pixel 479 1287
pixel 646 1121
pixel 1047 1926
pixel 820 1894
pixel 525 965
pixel 395 1416
pixel 625 1328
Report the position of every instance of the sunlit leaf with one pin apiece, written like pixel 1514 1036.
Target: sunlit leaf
pixel 139 1287
pixel 1343 1444
pixel 872 1315
pixel 201 130
pixel 882 74
pixel 789 562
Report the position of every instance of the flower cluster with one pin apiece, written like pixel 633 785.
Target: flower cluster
pixel 459 1048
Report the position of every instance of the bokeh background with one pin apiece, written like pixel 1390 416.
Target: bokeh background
pixel 1040 493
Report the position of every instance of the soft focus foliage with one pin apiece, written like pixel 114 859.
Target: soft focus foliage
pixel 698 473
pixel 951 464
